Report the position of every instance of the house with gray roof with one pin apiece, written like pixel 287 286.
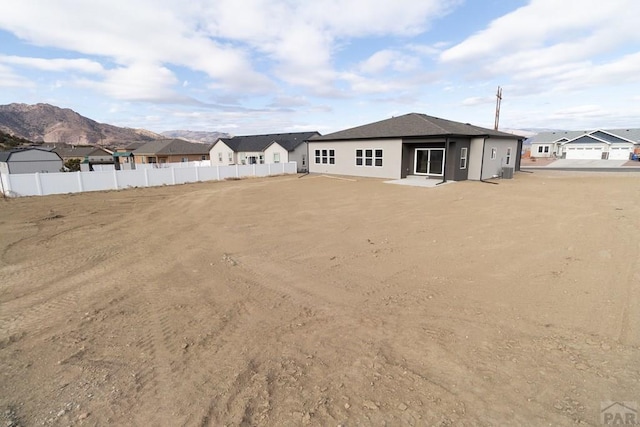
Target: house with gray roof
pixel 29 160
pixel 170 151
pixel 416 145
pixel 612 144
pixel 263 149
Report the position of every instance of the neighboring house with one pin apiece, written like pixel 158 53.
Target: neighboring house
pixel 171 151
pixel 263 149
pixel 612 144
pixel 123 156
pixel 87 153
pixel 416 144
pixel 29 160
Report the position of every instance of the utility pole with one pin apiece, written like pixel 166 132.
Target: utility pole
pixel 498 100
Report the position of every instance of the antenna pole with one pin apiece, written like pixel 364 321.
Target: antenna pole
pixel 498 101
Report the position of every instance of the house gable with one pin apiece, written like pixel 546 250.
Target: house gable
pixel 586 139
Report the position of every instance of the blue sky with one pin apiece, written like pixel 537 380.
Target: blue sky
pixel 262 66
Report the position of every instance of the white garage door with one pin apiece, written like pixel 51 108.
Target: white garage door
pixel 619 153
pixel 584 153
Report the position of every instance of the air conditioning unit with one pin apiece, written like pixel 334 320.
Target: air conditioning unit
pixel 507 172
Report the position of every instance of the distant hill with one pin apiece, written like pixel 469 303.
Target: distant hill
pixel 48 123
pixel 196 136
pixel 8 141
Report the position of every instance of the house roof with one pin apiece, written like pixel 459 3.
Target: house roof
pixel 611 135
pixel 412 125
pixel 248 143
pixel 172 147
pixel 80 151
pixel 6 155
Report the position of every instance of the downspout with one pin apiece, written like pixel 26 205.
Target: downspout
pixel 444 165
pixel 484 144
pixel 308 163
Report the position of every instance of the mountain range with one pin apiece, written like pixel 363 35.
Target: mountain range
pixel 48 123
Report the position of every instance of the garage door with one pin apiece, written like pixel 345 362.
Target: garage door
pixel 619 153
pixel 584 153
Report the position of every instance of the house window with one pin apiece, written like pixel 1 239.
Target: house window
pixel 184 160
pixel 276 157
pixel 494 153
pixel 546 148
pixel 304 160
pixel 230 157
pixel 508 159
pixel 540 148
pixel 369 157
pixel 463 158
pixel 377 158
pixel 220 157
pixel 326 156
pixel 203 157
pixel 261 159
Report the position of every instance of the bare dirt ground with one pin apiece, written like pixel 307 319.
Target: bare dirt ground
pixel 318 301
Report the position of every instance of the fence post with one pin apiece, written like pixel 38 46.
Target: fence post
pixel 80 186
pixel 115 179
pixel 38 183
pixel 173 176
pixel 6 188
pixel 146 177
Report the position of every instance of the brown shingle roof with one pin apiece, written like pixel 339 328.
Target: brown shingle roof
pixel 172 147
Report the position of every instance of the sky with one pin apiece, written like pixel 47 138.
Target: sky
pixel 272 66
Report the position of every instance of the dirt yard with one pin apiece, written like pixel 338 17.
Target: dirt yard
pixel 318 301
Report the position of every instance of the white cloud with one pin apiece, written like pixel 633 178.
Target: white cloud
pixel 569 44
pixel 138 82
pixel 58 65
pixel 9 79
pixel 389 59
pixel 477 100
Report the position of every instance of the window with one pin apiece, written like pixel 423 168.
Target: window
pixel 326 156
pixel 184 160
pixel 546 148
pixel 369 157
pixel 220 157
pixel 276 157
pixel 203 157
pixel 494 153
pixel 540 148
pixel 261 158
pixel 230 157
pixel 304 160
pixel 508 160
pixel 463 158
pixel 377 159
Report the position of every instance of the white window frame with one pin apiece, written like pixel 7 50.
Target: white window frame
pixel 230 157
pixel 463 157
pixel 494 153
pixel 261 159
pixel 184 160
pixel 369 157
pixel 508 156
pixel 276 157
pixel 325 156
pixel 540 149
pixel 220 156
pixel 546 148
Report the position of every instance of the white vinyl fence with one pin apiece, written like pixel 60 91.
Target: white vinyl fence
pixel 42 184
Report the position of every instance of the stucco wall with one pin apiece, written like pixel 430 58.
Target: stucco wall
pixel 345 158
pixel 299 155
pixel 221 148
pixel 475 158
pixel 273 149
pixel 492 167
